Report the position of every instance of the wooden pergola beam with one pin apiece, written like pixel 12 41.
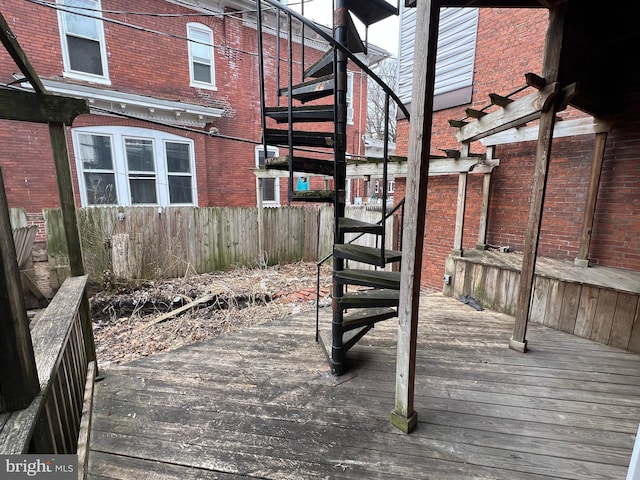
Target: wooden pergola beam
pixel 566 128
pixel 535 81
pixel 474 113
pixel 437 167
pixel 499 100
pixel 39 108
pixel 515 114
pixel 10 43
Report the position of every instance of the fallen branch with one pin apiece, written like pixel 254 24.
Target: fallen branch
pixel 177 311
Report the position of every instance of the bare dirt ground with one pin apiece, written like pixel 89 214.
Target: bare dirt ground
pixel 136 322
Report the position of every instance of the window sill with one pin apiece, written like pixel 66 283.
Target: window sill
pixel 87 78
pixel 204 86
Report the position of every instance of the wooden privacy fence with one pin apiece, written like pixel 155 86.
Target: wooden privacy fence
pixel 148 242
pixel 54 420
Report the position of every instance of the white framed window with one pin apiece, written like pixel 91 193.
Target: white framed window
pixel 350 98
pixel 134 166
pixel 84 52
pixel 201 62
pixel 391 186
pixel 141 169
pixel 270 186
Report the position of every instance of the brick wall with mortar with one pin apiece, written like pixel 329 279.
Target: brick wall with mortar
pixel 150 64
pixel 507 48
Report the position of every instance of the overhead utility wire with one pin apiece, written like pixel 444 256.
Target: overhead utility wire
pixel 73 10
pixel 155 14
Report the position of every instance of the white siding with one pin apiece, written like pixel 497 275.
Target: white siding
pixel 456 50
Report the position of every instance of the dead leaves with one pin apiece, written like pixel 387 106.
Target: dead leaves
pixel 126 324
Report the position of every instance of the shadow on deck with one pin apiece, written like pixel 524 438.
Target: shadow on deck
pixel 258 404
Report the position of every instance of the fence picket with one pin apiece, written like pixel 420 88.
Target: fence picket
pixel 168 242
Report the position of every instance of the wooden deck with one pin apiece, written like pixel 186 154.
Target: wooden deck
pixel 258 404
pixel 598 303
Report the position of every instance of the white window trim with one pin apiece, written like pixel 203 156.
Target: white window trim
pixel 276 181
pixel 349 98
pixel 195 83
pixel 120 167
pixel 68 72
pixel 130 173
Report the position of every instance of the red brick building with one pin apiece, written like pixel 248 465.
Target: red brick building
pixel 173 90
pixel 507 44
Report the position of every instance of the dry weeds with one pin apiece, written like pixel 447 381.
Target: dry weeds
pixel 123 321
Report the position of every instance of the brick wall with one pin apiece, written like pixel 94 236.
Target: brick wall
pixel 508 48
pixel 564 200
pixel 157 65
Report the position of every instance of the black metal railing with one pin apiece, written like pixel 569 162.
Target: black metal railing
pixel 341 54
pixel 319 31
pixel 323 260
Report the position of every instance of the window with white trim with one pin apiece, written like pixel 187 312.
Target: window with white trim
pixel 134 166
pixel 270 186
pixel 201 62
pixel 84 52
pixel 391 186
pixel 350 98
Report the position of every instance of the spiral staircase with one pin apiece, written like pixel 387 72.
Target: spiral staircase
pixel 360 297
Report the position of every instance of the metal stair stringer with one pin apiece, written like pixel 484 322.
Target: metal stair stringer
pixel 360 298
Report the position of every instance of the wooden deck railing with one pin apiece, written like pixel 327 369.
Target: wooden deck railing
pixel 52 423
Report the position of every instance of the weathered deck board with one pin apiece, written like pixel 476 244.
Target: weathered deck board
pixel 254 404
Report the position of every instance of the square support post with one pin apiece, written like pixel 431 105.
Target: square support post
pixel 582 260
pixel 461 205
pixel 550 71
pixel 484 212
pixel 70 221
pixel 403 416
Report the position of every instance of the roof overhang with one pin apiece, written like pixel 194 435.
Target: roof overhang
pixel 103 101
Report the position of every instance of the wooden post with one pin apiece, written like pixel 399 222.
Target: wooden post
pixel 484 212
pixel 404 416
pixel 67 200
pixel 260 219
pixel 551 65
pixel 582 259
pixel 70 221
pixel 462 203
pixel 19 382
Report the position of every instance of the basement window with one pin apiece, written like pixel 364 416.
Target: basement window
pixel 134 166
pixel 82 35
pixel 201 64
